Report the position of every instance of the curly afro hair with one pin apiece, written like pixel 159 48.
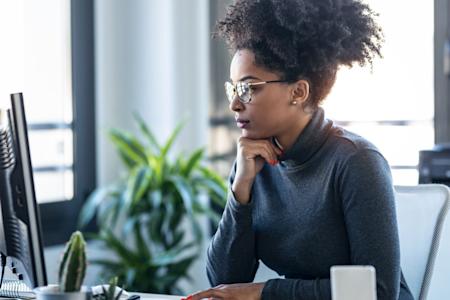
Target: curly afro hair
pixel 304 39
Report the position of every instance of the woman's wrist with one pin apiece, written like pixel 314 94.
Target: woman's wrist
pixel 241 189
pixel 259 287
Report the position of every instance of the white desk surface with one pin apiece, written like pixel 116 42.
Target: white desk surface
pixel 156 297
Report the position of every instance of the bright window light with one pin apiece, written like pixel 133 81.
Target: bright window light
pixel 35 59
pixel 393 106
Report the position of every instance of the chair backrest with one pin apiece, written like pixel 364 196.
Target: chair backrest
pixel 421 215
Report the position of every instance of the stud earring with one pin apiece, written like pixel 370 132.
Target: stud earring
pixel 294 102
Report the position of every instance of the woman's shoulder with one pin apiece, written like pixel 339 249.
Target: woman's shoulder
pixel 358 159
pixel 349 143
pixel 348 146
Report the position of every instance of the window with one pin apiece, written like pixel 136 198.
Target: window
pixel 41 61
pixel 393 106
pixel 41 45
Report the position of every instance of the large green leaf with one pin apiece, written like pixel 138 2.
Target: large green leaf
pixel 171 256
pixel 126 255
pixel 128 227
pixel 157 165
pixel 106 213
pixel 142 247
pixel 192 162
pixel 93 202
pixel 214 216
pixel 177 217
pixel 168 145
pixel 177 238
pixel 181 266
pixel 117 209
pixel 169 211
pixel 178 166
pixel 132 221
pixel 129 146
pixel 215 190
pixel 154 198
pixel 138 184
pixel 155 222
pixel 129 163
pixel 213 176
pixel 147 133
pixel 184 190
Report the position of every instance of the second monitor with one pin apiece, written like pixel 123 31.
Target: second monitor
pixel 20 228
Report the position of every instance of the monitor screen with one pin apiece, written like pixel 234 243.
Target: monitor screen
pixel 20 230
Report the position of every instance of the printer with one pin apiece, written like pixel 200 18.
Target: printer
pixel 434 165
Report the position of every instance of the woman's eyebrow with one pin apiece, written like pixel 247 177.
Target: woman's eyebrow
pixel 247 77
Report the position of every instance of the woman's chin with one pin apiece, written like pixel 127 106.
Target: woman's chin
pixel 250 134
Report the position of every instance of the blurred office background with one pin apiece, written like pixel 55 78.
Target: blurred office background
pixel 85 66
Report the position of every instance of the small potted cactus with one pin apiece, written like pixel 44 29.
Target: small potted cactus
pixel 72 270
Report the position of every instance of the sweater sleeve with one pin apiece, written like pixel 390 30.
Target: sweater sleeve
pixel 231 253
pixel 367 198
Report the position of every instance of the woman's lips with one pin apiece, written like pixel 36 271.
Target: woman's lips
pixel 242 123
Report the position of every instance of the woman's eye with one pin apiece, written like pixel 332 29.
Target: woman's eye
pixel 253 87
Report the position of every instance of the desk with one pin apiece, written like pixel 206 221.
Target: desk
pixel 157 297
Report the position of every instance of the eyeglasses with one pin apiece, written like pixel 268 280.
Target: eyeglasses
pixel 244 89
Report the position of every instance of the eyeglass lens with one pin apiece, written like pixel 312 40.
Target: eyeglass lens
pixel 241 88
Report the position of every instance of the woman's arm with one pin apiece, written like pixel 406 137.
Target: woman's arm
pixel 231 253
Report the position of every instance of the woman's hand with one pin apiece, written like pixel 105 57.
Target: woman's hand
pixel 251 156
pixel 240 291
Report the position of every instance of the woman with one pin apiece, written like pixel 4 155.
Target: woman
pixel 305 193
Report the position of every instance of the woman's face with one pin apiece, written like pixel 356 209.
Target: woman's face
pixel 271 112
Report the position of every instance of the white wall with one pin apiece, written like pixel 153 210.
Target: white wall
pixel 151 57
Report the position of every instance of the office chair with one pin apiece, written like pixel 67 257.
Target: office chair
pixel 424 231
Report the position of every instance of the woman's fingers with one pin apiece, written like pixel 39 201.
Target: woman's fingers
pixel 258 150
pixel 207 294
pixel 263 148
pixel 276 148
pixel 270 155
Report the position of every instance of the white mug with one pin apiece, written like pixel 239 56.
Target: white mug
pixel 353 283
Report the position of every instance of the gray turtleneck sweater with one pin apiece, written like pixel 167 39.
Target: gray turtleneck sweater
pixel 330 201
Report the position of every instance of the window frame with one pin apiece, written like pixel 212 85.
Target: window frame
pixel 441 81
pixel 59 219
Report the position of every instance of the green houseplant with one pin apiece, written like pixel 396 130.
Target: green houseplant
pixel 143 217
pixel 72 270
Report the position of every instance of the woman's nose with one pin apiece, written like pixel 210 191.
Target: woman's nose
pixel 236 105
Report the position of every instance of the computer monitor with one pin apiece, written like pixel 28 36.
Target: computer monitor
pixel 20 230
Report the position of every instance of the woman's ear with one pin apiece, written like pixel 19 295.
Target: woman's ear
pixel 300 92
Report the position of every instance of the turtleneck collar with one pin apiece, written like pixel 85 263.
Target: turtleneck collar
pixel 309 141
